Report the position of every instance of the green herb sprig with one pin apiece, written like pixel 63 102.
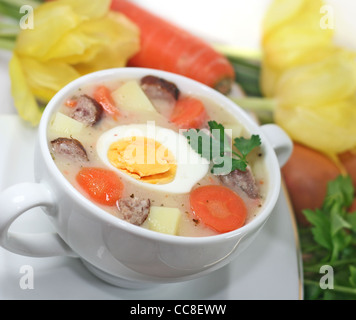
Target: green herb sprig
pixel 217 147
pixel 331 241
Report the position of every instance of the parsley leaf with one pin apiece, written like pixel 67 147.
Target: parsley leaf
pixel 216 146
pixel 331 240
pixel 321 227
pixel 340 194
pixel 352 278
pixel 245 146
pixel 219 136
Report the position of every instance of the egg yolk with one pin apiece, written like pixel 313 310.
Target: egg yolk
pixel 144 159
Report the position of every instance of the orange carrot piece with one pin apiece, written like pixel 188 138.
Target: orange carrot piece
pixel 103 96
pixel 167 47
pixel 218 207
pixel 71 103
pixel 101 185
pixel 189 113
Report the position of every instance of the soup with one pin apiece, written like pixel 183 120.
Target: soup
pixel 146 152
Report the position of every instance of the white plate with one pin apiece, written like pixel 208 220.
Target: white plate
pixel 269 269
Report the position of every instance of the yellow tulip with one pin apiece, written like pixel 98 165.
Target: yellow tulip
pixel 297 38
pixel 24 100
pixel 279 12
pixel 269 79
pixel 329 128
pixel 311 79
pixel 70 38
pixel 320 83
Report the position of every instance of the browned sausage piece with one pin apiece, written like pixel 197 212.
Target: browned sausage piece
pixel 70 148
pixel 134 210
pixel 243 180
pixel 158 88
pixel 87 110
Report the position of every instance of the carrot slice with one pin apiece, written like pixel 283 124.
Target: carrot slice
pixel 71 103
pixel 103 96
pixel 102 186
pixel 189 113
pixel 167 47
pixel 218 207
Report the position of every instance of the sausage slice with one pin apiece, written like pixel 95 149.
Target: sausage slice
pixel 87 110
pixel 70 148
pixel 243 180
pixel 158 88
pixel 134 210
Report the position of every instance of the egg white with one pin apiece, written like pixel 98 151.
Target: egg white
pixel 191 167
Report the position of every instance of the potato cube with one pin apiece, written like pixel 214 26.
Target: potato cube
pixel 164 220
pixel 65 126
pixel 131 97
pixel 233 130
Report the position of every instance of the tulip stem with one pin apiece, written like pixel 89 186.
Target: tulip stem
pixel 256 103
pixel 8 30
pixel 263 108
pixel 7 44
pixel 11 8
pixel 20 3
pixel 10 17
pixel 247 67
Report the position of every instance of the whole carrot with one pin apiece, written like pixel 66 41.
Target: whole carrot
pixel 165 46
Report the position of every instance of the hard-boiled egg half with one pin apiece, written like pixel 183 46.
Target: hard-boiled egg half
pixel 151 156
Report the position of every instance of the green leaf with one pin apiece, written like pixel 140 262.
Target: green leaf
pixel 340 241
pixel 352 278
pixel 338 223
pixel 331 240
pixel 217 148
pixel 245 146
pixel 351 219
pixel 219 139
pixel 228 165
pixel 321 229
pixel 340 194
pixel 238 164
pixel 213 125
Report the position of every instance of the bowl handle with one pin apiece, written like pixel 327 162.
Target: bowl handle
pixel 16 200
pixel 280 141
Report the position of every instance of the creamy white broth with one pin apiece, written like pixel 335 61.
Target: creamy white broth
pixel 189 225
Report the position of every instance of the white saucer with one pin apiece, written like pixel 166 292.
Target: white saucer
pixel 269 269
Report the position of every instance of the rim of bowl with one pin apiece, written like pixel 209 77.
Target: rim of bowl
pixel 181 81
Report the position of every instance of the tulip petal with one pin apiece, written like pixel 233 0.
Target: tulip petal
pixel 52 21
pixel 114 37
pixel 117 47
pixel 70 38
pixel 269 80
pixel 91 9
pixel 74 47
pixel 24 100
pixel 299 40
pixel 330 129
pixel 46 78
pixel 320 83
pixel 280 11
